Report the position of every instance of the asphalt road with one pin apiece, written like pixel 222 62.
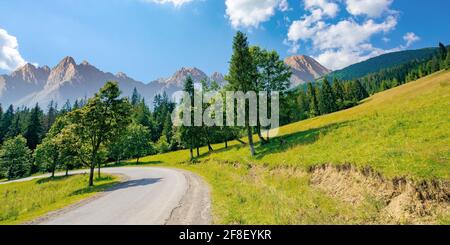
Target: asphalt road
pixel 147 196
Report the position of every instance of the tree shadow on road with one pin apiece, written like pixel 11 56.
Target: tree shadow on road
pixel 135 183
pixel 133 163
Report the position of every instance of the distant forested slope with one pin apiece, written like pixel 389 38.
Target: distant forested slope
pixel 382 62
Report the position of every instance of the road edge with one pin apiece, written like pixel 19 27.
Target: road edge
pixel 195 206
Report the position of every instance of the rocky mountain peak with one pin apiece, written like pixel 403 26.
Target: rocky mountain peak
pixel 31 73
pixel 122 75
pixel 218 77
pixel 180 76
pixel 66 70
pixel 67 61
pixel 303 62
pixel 305 69
pixel 193 71
pixel 46 69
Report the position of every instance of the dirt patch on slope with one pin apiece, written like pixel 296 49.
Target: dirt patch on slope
pixel 403 200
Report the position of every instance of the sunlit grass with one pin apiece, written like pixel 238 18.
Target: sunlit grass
pixel 24 201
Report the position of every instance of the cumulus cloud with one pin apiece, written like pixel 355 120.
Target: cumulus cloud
pixel 410 38
pixel 371 8
pixel 176 3
pixel 10 58
pixel 322 7
pixel 338 44
pixel 250 13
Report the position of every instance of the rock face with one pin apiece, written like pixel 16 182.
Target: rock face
pixel 305 69
pixel 68 80
pixel 22 82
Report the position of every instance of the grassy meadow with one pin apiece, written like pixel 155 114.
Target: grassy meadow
pixel 404 131
pixel 24 201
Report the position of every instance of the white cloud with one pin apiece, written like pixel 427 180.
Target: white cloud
pixel 347 41
pixel 176 3
pixel 10 58
pixel 410 38
pixel 348 33
pixel 250 13
pixel 371 8
pixel 336 59
pixel 322 7
pixel 283 5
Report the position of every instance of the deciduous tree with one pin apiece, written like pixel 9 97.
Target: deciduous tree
pixel 99 122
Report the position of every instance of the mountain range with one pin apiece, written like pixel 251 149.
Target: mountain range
pixel 68 80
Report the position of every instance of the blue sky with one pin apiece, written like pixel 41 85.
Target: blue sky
pixel 148 39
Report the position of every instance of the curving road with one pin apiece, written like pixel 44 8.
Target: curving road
pixel 147 196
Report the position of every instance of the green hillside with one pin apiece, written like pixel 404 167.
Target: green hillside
pixel 382 62
pixel 394 137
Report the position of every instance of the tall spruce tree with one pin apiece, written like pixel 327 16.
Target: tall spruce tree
pixel 312 97
pixel 242 76
pixel 6 122
pixel 327 99
pixel 447 60
pixel 434 64
pixel 303 105
pixel 52 113
pixel 338 90
pixel 442 51
pixel 357 91
pixel 187 132
pixel 16 126
pixel 34 130
pixel 135 97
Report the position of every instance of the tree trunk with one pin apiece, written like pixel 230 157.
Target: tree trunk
pixel 91 175
pixel 137 161
pixel 260 135
pixel 191 152
pixel 198 151
pixel 53 173
pixel 99 165
pixel 250 140
pixel 226 144
pixel 67 171
pixel 208 142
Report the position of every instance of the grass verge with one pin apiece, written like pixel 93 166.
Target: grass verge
pixel 25 201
